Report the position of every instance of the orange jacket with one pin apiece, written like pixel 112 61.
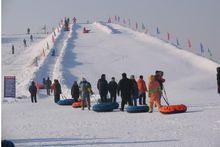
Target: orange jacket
pixel 141 86
pixel 154 88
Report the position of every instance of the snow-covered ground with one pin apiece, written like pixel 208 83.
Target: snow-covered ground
pixel 112 49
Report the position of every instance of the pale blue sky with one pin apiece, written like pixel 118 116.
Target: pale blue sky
pixel 198 20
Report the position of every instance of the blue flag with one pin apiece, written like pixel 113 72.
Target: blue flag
pixel 158 31
pixel 201 48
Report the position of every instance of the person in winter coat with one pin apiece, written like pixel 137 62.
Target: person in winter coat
pixel 112 88
pixel 12 49
pixel 57 90
pixel 159 78
pixel 102 86
pixel 153 93
pixel 31 38
pixel 142 90
pixel 218 79
pixel 33 91
pixel 48 85
pixel 134 90
pixel 75 91
pixel 124 86
pixel 25 43
pixel 86 91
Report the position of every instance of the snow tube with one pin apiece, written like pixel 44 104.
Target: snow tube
pixel 105 107
pixel 77 104
pixel 86 31
pixel 137 109
pixel 66 101
pixel 7 143
pixel 171 109
pixel 40 86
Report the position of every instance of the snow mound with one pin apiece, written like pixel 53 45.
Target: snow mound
pixel 103 27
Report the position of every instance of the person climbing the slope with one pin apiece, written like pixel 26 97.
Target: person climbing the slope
pixel 153 93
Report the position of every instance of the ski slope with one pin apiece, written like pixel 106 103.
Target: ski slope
pixel 112 49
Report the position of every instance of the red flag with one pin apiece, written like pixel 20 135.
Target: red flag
pixel 189 44
pixel 168 36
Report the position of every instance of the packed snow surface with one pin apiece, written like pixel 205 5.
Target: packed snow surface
pixel 110 49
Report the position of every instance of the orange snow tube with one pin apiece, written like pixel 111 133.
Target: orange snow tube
pixel 77 104
pixel 171 109
pixel 40 86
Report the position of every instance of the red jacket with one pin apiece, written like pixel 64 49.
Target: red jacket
pixel 142 86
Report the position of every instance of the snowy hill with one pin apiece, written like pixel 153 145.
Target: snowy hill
pixel 111 49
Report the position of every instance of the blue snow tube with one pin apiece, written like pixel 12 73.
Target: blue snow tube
pixel 66 101
pixel 137 109
pixel 105 107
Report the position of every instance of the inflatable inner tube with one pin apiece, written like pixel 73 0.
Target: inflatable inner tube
pixel 40 86
pixel 105 107
pixel 66 101
pixel 137 109
pixel 171 109
pixel 77 104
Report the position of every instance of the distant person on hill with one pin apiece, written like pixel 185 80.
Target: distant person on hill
pixel 112 88
pixel 12 49
pixel 142 90
pixel 31 38
pixel 86 91
pixel 74 19
pixel 33 91
pixel 25 43
pixel 75 91
pixel 153 93
pixel 57 90
pixel 218 79
pixel 28 30
pixel 134 90
pixel 159 78
pixel 102 86
pixel 48 85
pixel 124 87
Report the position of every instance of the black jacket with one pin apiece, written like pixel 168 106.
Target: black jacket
pixel 112 87
pixel 125 87
pixel 102 86
pixel 57 89
pixel 75 91
pixel 134 88
pixel 33 89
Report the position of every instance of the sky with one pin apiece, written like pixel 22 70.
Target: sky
pixel 197 20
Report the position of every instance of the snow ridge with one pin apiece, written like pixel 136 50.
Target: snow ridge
pixel 101 26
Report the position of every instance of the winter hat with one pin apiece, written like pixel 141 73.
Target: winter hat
pixel 124 75
pixel 150 78
pixel 132 77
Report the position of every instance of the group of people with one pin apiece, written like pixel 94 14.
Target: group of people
pixel 24 42
pixel 130 90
